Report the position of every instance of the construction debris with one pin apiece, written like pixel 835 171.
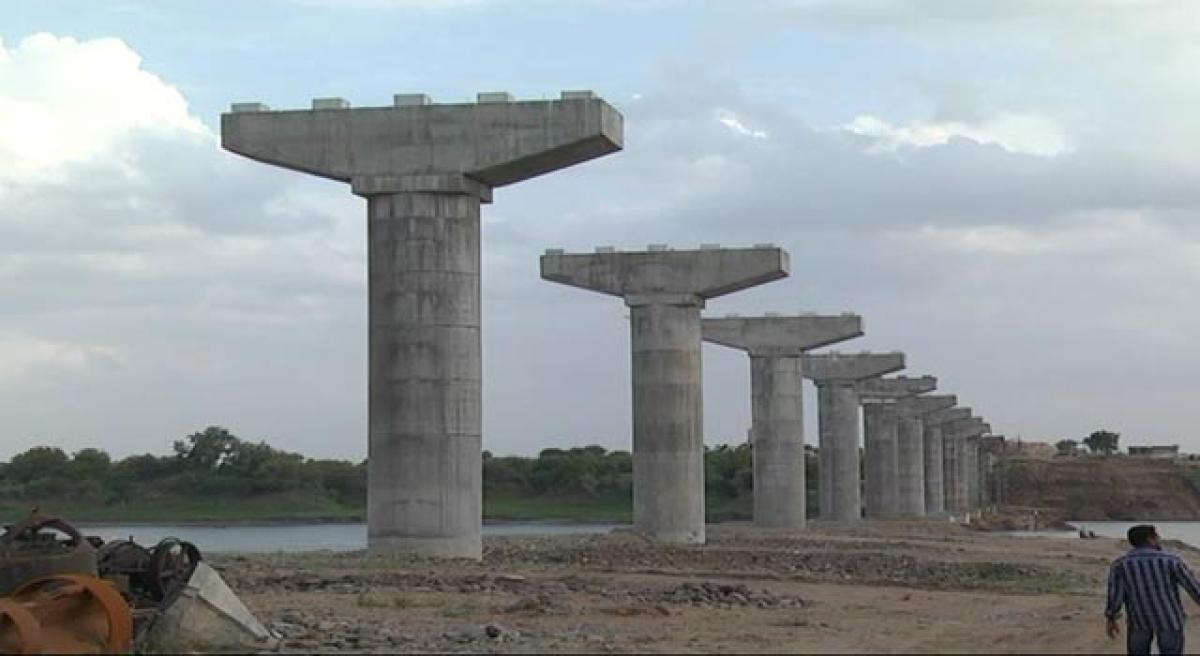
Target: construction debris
pixel 62 592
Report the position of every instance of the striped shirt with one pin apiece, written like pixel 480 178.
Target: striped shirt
pixel 1145 581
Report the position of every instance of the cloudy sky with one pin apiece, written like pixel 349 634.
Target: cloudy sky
pixel 1006 191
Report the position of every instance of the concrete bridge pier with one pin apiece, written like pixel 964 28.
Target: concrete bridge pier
pixel 775 345
pixel 837 377
pixel 910 442
pixel 665 291
pixel 425 169
pixel 881 425
pixel 935 457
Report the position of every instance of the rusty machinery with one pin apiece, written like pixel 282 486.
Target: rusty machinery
pixel 61 592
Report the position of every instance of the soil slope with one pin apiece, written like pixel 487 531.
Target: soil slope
pixel 1118 488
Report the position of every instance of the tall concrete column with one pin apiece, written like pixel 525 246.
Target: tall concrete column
pixel 881 423
pixel 665 290
pixel 960 462
pixel 879 450
pixel 910 443
pixel 934 449
pixel 668 418
pixel 424 458
pixel 838 460
pixel 775 345
pixel 424 170
pixel 953 443
pixel 972 472
pixel 992 451
pixel 837 376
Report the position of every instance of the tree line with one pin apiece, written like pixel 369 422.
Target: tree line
pixel 1101 442
pixel 216 464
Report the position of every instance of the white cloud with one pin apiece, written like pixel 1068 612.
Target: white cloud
pixel 25 360
pixel 1017 133
pixel 137 259
pixel 64 101
pixel 731 121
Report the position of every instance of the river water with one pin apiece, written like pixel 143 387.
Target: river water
pixel 299 537
pixel 352 537
pixel 1188 532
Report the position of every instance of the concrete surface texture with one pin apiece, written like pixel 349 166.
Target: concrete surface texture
pixel 425 169
pixel 910 450
pixel 881 424
pixel 934 450
pixel 960 471
pixel 665 291
pixel 990 479
pixel 837 376
pixel 775 344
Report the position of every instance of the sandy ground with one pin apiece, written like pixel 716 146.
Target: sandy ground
pixel 899 587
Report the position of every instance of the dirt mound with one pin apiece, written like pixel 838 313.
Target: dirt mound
pixel 1116 488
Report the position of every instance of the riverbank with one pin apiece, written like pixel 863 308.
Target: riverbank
pixel 314 509
pixel 904 586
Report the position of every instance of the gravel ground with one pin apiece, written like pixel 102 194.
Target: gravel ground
pixel 916 586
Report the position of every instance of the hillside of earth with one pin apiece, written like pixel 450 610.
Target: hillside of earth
pixel 1118 488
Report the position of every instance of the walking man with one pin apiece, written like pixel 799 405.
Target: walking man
pixel 1145 583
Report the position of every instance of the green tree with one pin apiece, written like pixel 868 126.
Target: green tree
pixel 1102 441
pixel 1066 447
pixel 206 450
pixel 90 464
pixel 38 462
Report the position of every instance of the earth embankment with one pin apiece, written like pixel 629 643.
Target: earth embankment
pixel 1115 488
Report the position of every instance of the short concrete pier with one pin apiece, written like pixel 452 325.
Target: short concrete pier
pixel 665 291
pixel 837 376
pixel 775 345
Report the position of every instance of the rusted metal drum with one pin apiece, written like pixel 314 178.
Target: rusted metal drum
pixel 40 546
pixel 65 614
pixel 20 632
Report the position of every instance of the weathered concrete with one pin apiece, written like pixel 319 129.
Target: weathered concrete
pixel 665 291
pixel 837 376
pixel 910 448
pixel 959 468
pixel 881 425
pixel 991 463
pixel 775 345
pixel 424 170
pixel 935 455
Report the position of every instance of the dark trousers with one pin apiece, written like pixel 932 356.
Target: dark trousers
pixel 1138 641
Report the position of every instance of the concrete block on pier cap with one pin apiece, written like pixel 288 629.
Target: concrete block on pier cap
pixel 969 427
pixel 577 95
pixel 779 335
pixel 822 367
pixel 492 143
pixel 919 406
pixel 946 416
pixel 330 103
pixel 248 107
pixel 895 388
pixel 411 100
pixel 700 273
pixel 494 97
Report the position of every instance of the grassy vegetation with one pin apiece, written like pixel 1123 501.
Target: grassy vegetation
pixel 215 476
pixel 569 508
pixel 288 506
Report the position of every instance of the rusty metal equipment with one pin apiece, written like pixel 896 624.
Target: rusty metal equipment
pixel 65 614
pixel 148 576
pixel 41 546
pixel 62 592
